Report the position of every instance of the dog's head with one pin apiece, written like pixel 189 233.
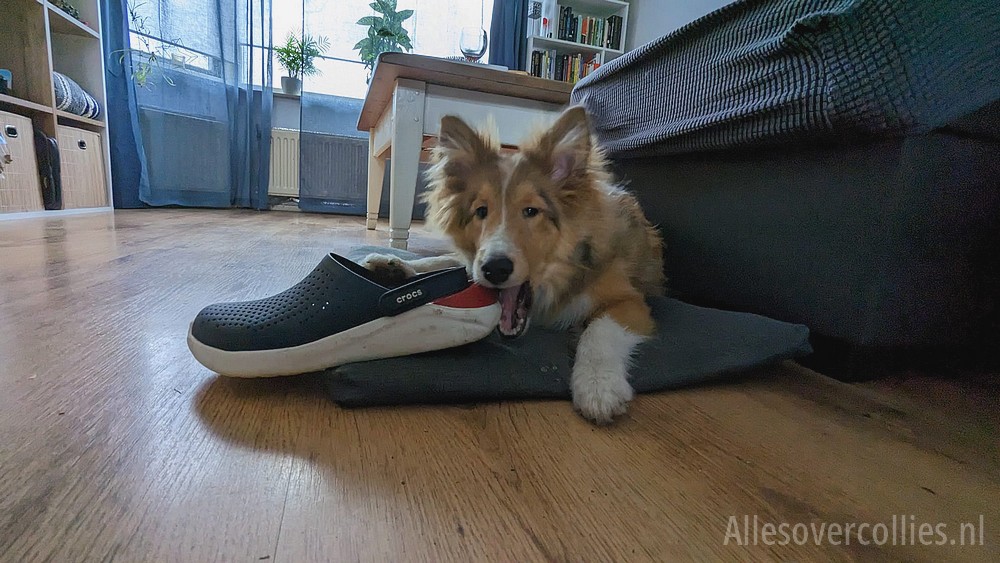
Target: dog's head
pixel 515 216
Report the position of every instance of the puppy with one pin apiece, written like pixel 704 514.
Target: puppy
pixel 563 244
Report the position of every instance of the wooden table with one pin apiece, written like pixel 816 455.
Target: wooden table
pixel 406 99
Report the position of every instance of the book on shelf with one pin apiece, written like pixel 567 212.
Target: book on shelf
pixel 587 30
pixel 552 65
pixel 614 38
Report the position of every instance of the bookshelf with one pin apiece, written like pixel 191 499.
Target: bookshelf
pixel 41 38
pixel 569 39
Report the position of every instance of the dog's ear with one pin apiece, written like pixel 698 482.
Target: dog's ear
pixel 456 135
pixel 456 138
pixel 566 146
pixel 459 147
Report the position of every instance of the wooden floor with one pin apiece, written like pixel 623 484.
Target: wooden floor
pixel 115 445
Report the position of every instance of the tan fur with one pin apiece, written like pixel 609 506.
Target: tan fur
pixel 590 240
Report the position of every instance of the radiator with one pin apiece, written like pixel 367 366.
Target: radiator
pixel 284 179
pixel 334 169
pixel 336 165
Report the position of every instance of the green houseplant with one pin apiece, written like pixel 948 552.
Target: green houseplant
pixel 151 57
pixel 297 57
pixel 386 33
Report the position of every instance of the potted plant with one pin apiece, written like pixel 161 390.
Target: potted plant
pixel 297 57
pixel 147 58
pixel 385 33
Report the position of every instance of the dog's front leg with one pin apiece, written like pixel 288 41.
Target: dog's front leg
pixel 389 268
pixel 431 263
pixel 600 386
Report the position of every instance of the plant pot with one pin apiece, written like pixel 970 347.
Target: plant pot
pixel 291 86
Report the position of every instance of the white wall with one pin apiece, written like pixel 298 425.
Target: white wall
pixel 650 19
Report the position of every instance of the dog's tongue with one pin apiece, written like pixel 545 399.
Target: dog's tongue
pixel 508 309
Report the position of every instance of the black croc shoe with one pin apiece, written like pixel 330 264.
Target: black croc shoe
pixel 337 315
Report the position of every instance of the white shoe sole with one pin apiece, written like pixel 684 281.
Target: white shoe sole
pixel 424 329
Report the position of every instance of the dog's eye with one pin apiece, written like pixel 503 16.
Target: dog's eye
pixel 481 212
pixel 530 211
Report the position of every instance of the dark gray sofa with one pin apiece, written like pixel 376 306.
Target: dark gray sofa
pixel 831 163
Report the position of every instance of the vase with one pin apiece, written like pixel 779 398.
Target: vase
pixel 291 86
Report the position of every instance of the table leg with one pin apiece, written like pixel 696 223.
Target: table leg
pixel 376 174
pixel 407 136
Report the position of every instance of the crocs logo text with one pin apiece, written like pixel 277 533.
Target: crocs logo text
pixel 409 296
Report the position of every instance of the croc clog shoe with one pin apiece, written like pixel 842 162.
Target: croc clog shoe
pixel 339 314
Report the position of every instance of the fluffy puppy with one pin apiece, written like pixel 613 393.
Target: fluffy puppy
pixel 561 242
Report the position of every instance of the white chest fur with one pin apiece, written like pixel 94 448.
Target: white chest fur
pixel 576 312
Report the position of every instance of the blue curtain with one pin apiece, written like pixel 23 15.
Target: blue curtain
pixel 128 171
pixel 191 124
pixel 508 33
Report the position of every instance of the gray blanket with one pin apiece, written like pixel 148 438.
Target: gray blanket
pixel 692 345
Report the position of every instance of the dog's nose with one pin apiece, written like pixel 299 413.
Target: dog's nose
pixel 497 270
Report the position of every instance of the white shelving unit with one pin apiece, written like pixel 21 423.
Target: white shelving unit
pixel 601 9
pixel 40 38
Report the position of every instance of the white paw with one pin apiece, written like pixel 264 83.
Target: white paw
pixel 388 268
pixel 600 391
pixel 600 373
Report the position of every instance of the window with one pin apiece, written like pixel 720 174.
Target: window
pixel 182 37
pixel 434 30
pixel 175 36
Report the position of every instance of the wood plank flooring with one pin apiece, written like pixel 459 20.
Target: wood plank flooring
pixel 115 445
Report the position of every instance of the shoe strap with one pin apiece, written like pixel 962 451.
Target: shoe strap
pixel 422 290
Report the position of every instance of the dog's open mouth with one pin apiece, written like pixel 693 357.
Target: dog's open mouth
pixel 515 304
